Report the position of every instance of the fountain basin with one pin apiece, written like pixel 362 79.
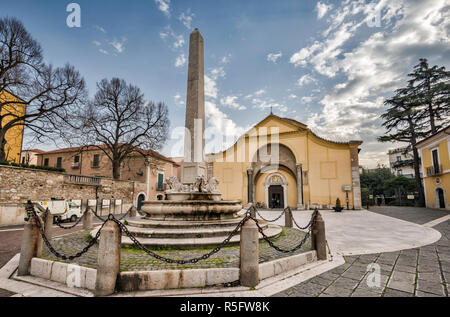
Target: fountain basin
pixel 193 210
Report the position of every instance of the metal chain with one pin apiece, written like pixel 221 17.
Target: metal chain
pixel 71 226
pixel 120 219
pixel 308 225
pixel 181 262
pixel 302 242
pixel 284 211
pixel 30 209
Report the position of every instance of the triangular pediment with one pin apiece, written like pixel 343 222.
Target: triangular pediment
pixel 282 124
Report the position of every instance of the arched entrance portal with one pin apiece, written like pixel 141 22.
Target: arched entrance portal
pixel 276 191
pixel 140 200
pixel 440 198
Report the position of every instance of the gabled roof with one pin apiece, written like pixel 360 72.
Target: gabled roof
pixel 96 148
pixel 443 132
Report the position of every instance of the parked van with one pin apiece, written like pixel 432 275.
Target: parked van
pixel 62 210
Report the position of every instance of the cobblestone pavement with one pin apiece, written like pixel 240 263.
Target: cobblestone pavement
pixel 133 259
pixel 421 272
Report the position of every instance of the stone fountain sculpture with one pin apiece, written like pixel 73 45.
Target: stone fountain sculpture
pixel 193 214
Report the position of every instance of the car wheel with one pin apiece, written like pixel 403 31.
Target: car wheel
pixel 73 218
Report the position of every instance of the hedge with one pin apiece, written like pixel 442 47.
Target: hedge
pixel 45 168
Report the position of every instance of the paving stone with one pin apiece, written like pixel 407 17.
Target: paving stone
pixel 344 282
pixel 383 281
pixel 425 294
pixel 433 276
pixel 357 276
pixel 329 276
pixel 396 293
pixel 337 291
pixel 321 281
pixel 341 269
pixel 365 293
pixel 404 268
pixel 430 287
pixel 402 281
pixel 310 288
pixel 5 293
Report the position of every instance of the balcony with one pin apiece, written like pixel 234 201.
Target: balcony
pixel 160 187
pixel 434 170
pixel 82 180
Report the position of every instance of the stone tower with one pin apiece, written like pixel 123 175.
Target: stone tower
pixel 194 142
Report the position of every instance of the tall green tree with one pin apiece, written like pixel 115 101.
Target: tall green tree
pixel 404 123
pixel 430 89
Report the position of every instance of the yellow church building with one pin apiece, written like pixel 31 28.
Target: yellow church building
pixel 14 136
pixel 280 163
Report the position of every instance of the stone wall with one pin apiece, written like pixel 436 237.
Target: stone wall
pixel 17 185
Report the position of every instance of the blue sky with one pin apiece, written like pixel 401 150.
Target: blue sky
pixel 328 64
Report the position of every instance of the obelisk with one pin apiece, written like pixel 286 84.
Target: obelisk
pixel 194 141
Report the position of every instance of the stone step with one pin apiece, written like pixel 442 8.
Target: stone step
pixel 148 223
pixel 179 233
pixel 189 243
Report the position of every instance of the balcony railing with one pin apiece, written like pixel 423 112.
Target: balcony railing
pixel 82 180
pixel 434 170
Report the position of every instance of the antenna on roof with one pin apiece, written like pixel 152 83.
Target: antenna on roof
pixel 271 110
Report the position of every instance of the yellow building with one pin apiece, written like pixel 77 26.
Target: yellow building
pixel 434 152
pixel 14 136
pixel 280 163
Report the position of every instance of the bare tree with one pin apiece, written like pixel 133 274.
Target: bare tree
pixel 47 96
pixel 119 122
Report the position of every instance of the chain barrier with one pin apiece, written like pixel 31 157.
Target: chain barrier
pixel 182 262
pixel 302 242
pixel 310 222
pixel 59 224
pixel 30 210
pixel 257 212
pixel 100 218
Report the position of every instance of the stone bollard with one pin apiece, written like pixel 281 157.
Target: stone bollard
pixel 288 218
pixel 88 219
pixel 28 250
pixel 108 259
pixel 253 212
pixel 132 212
pixel 249 254
pixel 318 238
pixel 48 226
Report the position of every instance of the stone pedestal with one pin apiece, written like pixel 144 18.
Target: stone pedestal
pixel 29 247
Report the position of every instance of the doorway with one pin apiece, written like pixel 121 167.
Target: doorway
pixel 440 197
pixel 276 197
pixel 140 200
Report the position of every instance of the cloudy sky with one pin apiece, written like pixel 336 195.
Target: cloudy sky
pixel 328 64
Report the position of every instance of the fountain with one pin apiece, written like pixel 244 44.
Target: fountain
pixel 193 214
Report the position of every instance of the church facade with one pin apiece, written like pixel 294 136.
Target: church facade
pixel 281 163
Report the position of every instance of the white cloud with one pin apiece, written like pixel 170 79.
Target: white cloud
pixel 178 39
pixel 164 6
pixel 260 92
pixel 178 99
pixel 180 61
pixel 100 29
pixel 273 57
pixel 307 99
pixel 96 43
pixel 306 79
pixel 230 101
pixel 210 87
pixel 292 96
pixel 375 67
pixel 322 9
pixel 103 51
pixel 186 18
pixel 119 45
